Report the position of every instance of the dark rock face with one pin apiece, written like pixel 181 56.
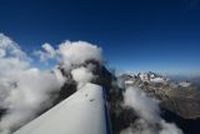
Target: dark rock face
pixel 66 90
pixel 122 119
pixel 2 112
pixel 189 126
pixel 183 101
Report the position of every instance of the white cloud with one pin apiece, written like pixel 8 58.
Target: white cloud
pixel 11 49
pixel 31 92
pixel 2 53
pixel 144 106
pixel 24 90
pixel 149 115
pixel 140 126
pixel 169 128
pixel 82 75
pixel 70 53
pixel 79 52
pixel 47 52
pixel 49 49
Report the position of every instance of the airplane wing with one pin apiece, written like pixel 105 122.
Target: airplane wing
pixel 84 112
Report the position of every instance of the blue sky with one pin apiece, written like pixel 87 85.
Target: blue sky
pixel 136 35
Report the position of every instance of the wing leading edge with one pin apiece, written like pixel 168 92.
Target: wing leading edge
pixel 84 112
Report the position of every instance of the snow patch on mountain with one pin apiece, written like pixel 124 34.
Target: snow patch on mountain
pixel 184 84
pixel 152 77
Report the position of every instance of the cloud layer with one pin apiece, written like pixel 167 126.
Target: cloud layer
pixel 71 53
pixel 149 121
pixel 24 90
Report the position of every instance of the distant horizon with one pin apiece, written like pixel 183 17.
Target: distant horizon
pixel 135 69
pixel 168 74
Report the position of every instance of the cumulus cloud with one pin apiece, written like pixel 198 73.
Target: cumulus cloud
pixel 71 53
pixel 49 49
pixel 9 48
pixel 79 52
pixel 24 90
pixel 169 128
pixel 82 75
pixel 144 106
pixel 32 91
pixel 149 121
pixel 2 53
pixel 140 126
pixel 47 52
